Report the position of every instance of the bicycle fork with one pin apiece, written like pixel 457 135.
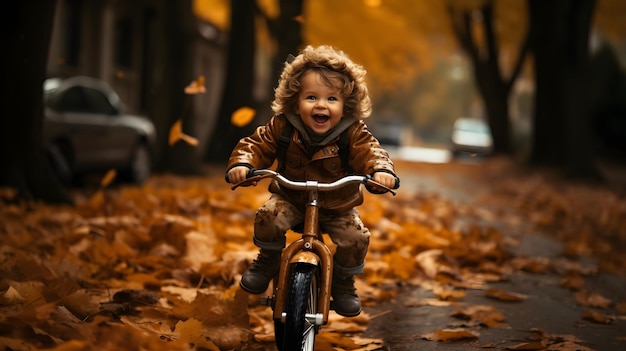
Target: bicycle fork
pixel 309 249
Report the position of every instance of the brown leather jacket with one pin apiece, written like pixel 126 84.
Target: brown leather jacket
pixel 321 163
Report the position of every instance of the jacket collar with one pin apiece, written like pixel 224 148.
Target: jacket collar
pixel 333 134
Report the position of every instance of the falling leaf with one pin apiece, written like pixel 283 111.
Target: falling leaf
pixel 450 335
pixel 196 86
pixel 299 19
pixel 242 116
pixel 505 295
pixel 108 178
pixel 176 134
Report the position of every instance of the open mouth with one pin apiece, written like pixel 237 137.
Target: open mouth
pixel 321 118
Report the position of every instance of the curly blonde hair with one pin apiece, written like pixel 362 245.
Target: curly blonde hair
pixel 335 68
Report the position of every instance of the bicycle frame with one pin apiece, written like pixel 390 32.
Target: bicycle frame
pixel 308 249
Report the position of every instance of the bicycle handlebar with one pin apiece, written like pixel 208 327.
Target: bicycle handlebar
pixel 257 174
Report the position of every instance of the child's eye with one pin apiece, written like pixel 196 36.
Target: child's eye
pixel 332 98
pixel 311 97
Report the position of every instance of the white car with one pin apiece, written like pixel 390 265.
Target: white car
pixel 86 130
pixel 471 135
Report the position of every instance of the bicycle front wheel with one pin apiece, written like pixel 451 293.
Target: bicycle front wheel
pixel 298 333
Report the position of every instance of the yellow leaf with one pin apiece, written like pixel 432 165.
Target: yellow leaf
pixel 242 116
pixel 196 86
pixel 108 178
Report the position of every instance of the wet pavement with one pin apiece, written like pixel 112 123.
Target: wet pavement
pixel 549 309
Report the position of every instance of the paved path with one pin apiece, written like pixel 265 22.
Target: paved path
pixel 549 307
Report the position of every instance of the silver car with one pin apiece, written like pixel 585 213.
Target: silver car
pixel 471 136
pixel 86 129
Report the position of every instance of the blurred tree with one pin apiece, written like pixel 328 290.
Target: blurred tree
pixel 173 57
pixel 26 28
pixel 239 80
pixel 287 30
pixel 484 54
pixel 559 35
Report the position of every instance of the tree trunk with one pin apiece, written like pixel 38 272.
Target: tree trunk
pixel 496 99
pixel 562 134
pixel 239 80
pixel 288 34
pixel 492 86
pixel 172 72
pixel 27 26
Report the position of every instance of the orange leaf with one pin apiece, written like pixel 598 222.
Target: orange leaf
pixel 591 299
pixel 596 317
pixel 450 334
pixel 108 178
pixel 505 295
pixel 196 86
pixel 534 345
pixel 242 116
pixel 176 134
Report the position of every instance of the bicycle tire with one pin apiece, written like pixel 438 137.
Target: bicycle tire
pixel 296 333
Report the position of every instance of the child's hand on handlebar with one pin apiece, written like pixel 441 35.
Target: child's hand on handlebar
pixel 238 174
pixel 385 179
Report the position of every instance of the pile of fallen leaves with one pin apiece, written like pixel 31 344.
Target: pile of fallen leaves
pixel 157 267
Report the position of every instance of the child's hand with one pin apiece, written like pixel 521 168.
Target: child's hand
pixel 238 174
pixel 385 179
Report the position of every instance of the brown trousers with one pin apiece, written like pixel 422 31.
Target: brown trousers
pixel 345 229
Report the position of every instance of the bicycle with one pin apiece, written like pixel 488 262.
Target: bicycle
pixel 301 299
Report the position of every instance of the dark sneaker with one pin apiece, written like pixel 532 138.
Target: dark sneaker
pixel 345 300
pixel 257 277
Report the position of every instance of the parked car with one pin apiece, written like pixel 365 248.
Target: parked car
pixel 471 135
pixel 390 132
pixel 86 129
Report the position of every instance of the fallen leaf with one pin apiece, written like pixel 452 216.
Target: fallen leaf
pixel 450 335
pixel 535 345
pixel 592 299
pixel 481 315
pixel 443 293
pixel 596 317
pixel 505 295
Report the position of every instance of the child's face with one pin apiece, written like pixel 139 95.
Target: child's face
pixel 320 106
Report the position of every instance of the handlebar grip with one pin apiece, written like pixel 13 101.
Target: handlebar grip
pixel 250 173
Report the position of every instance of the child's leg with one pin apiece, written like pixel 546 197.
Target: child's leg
pixel 270 225
pixel 349 234
pixel 352 239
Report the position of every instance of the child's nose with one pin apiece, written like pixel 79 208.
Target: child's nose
pixel 321 103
